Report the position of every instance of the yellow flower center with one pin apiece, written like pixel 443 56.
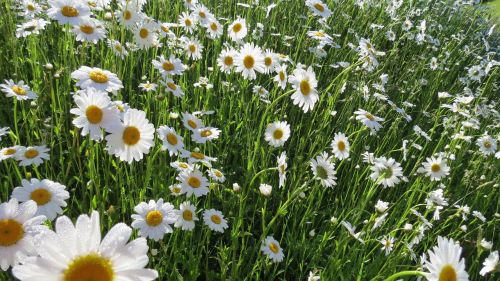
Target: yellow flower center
pixel 213 26
pixel 305 87
pixel 183 165
pixel 202 14
pixel 369 116
pixel 176 189
pixel 215 219
pixel 206 133
pixel 41 196
pixel 228 61
pixel 9 151
pixel 188 22
pixel 94 114
pixel 487 144
pixel 319 34
pixel 194 182
pixel 154 218
pixel 18 90
pixel 218 173
pixel 165 28
pixel 127 15
pixel 87 29
pixel 168 66
pixel 172 86
pixel 91 267
pixel 435 168
pixel 248 61
pixel 11 232
pixel 447 273
pixel 172 138
pixel 98 76
pixel 341 145
pixel 69 11
pixel 237 27
pixel 274 248
pixel 192 48
pixel 192 124
pixel 278 134
pixel 282 76
pixel 187 215
pixel 143 33
pixel 131 135
pixel 31 153
pixel 319 7
pixel 197 155
pixel 30 7
pixel 268 61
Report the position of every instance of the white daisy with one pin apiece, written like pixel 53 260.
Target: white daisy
pixel 369 120
pixel 30 8
pixel 148 86
pixel 49 196
pixel 202 14
pixel 216 175
pixel 145 34
pixel 128 15
pixel 94 112
pixel 173 88
pixel 202 135
pixel 32 155
pixel 387 244
pixel 118 48
pixel 76 252
pixel 304 82
pixel 170 66
pixel 96 78
pixel 490 264
pixel 487 145
pixel 197 157
pixel 68 11
pixel 270 61
pixel 9 152
pixel 18 90
pixel 193 182
pixel 444 262
pixel 133 138
pixel 215 220
pixel 186 216
pixel 340 146
pixel 281 77
pixel 4 131
pixel 175 189
pixel 226 60
pixel 19 230
pixel 90 30
pixel 153 219
pixel 386 172
pixel 272 249
pixel 282 165
pixel 324 170
pixel 436 168
pixel 191 122
pixel 214 28
pixel 238 29
pixel 193 48
pixel 277 133
pixel 182 166
pixel 188 22
pixel 319 8
pixel 171 140
pixel 249 60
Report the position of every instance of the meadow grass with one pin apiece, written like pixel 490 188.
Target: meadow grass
pixel 299 214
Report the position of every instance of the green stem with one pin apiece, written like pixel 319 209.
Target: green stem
pixel 404 273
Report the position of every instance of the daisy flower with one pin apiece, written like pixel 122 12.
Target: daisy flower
pixel 238 29
pixel 128 15
pixel 9 152
pixel 215 220
pixel 90 30
pixel 249 60
pixel 435 168
pixel 214 28
pixel 324 170
pixel 165 30
pixel 444 262
pixel 369 120
pixel 340 146
pixel 490 264
pixel 30 8
pixel 387 244
pixel 487 145
pixel 386 172
pixel 118 48
pixel 148 86
pixel 181 166
pixel 18 90
pixel 304 82
pixel 277 133
pixel 153 219
pixel 323 38
pixel 197 157
pixel 190 3
pixel 4 131
pixel 191 122
pixel 95 112
pixel 170 66
pixel 173 88
pixel 186 216
pixel 96 78
pixel 226 60
pixel 76 252
pixel 282 165
pixel 33 26
pixel 193 48
pixel 202 14
pixel 68 11
pixel 145 34
pixel 281 77
pixel 319 8
pixel 32 155
pixel 216 175
pixel 175 189
pixel 19 228
pixel 188 22
pixel 171 140
pixel 133 138
pixel 203 135
pixel 270 61
pixel 272 249
pixel 193 182
pixel 49 196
